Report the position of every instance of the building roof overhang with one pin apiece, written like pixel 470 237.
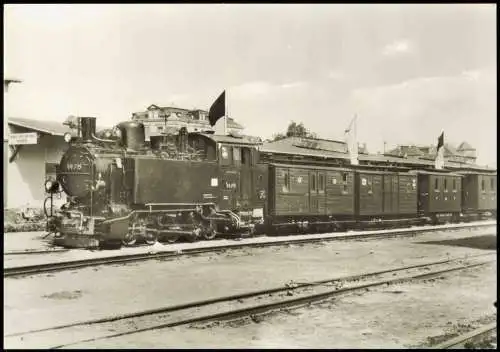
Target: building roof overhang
pixel 53 128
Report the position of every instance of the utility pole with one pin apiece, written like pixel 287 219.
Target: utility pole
pixel 6 83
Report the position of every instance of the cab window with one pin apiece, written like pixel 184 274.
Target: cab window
pixel 237 156
pixel 225 155
pixel 246 156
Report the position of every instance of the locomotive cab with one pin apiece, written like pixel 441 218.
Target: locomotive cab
pixel 243 179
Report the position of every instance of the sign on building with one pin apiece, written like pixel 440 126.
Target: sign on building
pixel 23 138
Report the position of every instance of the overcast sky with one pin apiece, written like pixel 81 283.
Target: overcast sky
pixel 408 71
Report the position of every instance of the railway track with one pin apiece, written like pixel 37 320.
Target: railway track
pixel 462 340
pixel 122 259
pixel 235 307
pixel 29 252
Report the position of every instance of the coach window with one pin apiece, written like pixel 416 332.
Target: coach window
pixel 482 185
pixel 313 182
pixel 492 184
pixel 454 185
pixel 286 186
pixel 436 184
pixel 344 177
pixel 445 185
pixel 321 183
pixel 345 190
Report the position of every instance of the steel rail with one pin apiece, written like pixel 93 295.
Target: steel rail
pixel 239 297
pixel 471 335
pixel 249 294
pixel 35 251
pixel 83 263
pixel 269 307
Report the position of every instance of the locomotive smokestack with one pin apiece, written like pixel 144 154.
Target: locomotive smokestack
pixel 88 128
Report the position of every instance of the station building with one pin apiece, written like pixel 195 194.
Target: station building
pixel 34 149
pixel 464 153
pixel 161 119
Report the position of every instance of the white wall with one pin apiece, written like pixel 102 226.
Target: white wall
pixel 26 174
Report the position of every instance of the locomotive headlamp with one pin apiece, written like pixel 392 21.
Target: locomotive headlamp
pixel 67 137
pixel 51 186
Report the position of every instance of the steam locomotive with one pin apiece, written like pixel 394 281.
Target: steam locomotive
pixel 122 189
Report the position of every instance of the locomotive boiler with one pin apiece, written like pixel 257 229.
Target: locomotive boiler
pixel 122 189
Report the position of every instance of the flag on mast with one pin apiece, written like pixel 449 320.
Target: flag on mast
pixel 227 113
pixel 439 161
pixel 218 109
pixel 352 142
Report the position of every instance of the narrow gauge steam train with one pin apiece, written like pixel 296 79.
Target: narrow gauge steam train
pixel 199 185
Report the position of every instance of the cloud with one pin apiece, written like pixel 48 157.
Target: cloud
pixel 335 75
pixel 292 85
pixel 473 75
pixel 402 46
pixel 261 89
pixel 414 111
pixel 177 99
pixel 250 90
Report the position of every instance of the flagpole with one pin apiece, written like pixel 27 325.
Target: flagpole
pixel 355 140
pixel 352 140
pixel 226 113
pixel 439 161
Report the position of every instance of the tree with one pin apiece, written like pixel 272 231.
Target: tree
pixel 294 130
pixel 277 137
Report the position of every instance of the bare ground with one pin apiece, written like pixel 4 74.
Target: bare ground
pixel 48 300
pixel 413 315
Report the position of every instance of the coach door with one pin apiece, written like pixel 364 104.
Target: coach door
pixel 316 191
pixel 246 178
pixel 229 187
pixel 391 194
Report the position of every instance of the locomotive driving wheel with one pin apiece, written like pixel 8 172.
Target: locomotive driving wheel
pixel 208 232
pixel 150 237
pixel 165 222
pixel 130 237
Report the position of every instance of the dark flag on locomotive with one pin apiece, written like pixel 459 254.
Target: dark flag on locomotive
pixel 218 109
